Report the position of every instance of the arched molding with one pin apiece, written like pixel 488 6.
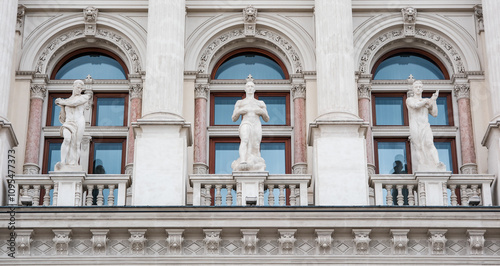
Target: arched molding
pixel 64 34
pixel 224 33
pixel 434 34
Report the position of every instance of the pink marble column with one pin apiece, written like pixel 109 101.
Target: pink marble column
pixel 32 153
pixel 200 165
pixel 462 92
pixel 299 144
pixel 135 94
pixel 364 98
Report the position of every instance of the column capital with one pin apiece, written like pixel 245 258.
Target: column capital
pixel 298 91
pixel 38 91
pixel 364 91
pixel 201 91
pixel 462 91
pixel 135 91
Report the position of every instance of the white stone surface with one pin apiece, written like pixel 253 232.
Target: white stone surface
pixel 69 186
pixel 435 187
pixel 7 31
pixel 250 185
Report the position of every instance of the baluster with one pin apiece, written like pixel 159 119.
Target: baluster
pixel 475 193
pixel 388 198
pixel 238 194
pixel 90 198
pixel 282 199
pixel 55 194
pixel 111 196
pixel 297 196
pixel 292 195
pixel 400 198
pixel 202 196
pixel 411 197
pixel 421 194
pixel 46 198
pixel 445 194
pixel 78 194
pixel 25 190
pixel 229 197
pixel 464 196
pixel 100 196
pixel 453 196
pixel 36 195
pixel 261 194
pixel 208 195
pixel 218 195
pixel 270 198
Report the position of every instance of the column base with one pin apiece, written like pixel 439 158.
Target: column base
pixel 371 169
pixel 299 169
pixel 129 169
pixel 469 169
pixel 31 169
pixel 200 169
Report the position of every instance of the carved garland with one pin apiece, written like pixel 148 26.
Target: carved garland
pixel 103 34
pixel 279 41
pixel 422 35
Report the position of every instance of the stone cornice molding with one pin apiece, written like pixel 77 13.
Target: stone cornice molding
pixel 38 91
pixel 298 91
pixel 135 91
pixel 462 91
pixel 201 91
pixel 364 91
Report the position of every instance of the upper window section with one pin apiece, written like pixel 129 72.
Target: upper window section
pixel 98 63
pixel 240 63
pixel 400 64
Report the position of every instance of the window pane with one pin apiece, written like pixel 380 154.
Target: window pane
pixel 110 111
pixel 274 155
pixel 392 158
pixel 225 154
pixel 223 110
pixel 444 153
pixel 97 65
pixel 276 108
pixel 389 111
pixel 402 65
pixel 259 66
pixel 442 118
pixel 54 155
pixel 56 109
pixel 107 158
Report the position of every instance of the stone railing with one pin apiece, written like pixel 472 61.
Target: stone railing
pixel 432 189
pixel 260 189
pixel 45 190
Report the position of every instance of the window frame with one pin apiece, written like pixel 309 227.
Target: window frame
pixel 109 95
pixel 123 141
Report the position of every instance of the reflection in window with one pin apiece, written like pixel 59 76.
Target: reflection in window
pixel 392 158
pixel 110 111
pixel 223 110
pixel 276 108
pixel 400 66
pixel 259 66
pixel 225 154
pixel 99 66
pixel 107 158
pixel 54 155
pixel 445 154
pixel 56 109
pixel 442 118
pixel 389 111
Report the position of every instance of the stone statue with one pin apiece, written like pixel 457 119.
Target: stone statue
pixel 424 153
pixel 73 125
pixel 250 130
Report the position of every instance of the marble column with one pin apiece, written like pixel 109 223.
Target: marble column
pixel 31 158
pixel 161 134
pixel 135 94
pixel 8 139
pixel 200 164
pixel 337 134
pixel 364 99
pixel 299 133
pixel 462 93
pixel 492 42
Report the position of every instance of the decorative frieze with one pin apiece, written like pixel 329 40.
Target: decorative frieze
pixel 478 12
pixel 201 91
pixel 38 91
pixel 137 241
pixel 61 241
pixel 437 241
pixel 462 91
pixel 324 241
pixel 409 20
pixel 99 240
pixel 362 241
pixel 135 91
pixel 399 241
pixel 364 91
pixel 249 241
pixel 23 241
pixel 90 17
pixel 475 239
pixel 174 241
pixel 299 91
pixel 286 241
pixel 212 240
pixel 250 19
pixel 21 10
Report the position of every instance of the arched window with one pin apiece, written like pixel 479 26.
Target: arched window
pixel 98 63
pixel 400 63
pixel 257 62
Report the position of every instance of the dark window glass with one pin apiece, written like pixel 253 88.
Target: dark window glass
pixel 442 118
pixel 223 110
pixel 107 158
pixel 259 66
pixel 389 111
pixel 97 65
pixel 54 155
pixel 445 154
pixel 110 111
pixel 276 108
pixel 225 154
pixel 392 158
pixel 400 66
pixel 56 109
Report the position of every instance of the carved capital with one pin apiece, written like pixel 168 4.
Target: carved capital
pixel 299 91
pixel 475 238
pixel 249 241
pixel 478 12
pixel 137 241
pixel 462 91
pixel 362 241
pixel 61 240
pixel 286 241
pixel 24 238
pixel 212 240
pixel 135 91
pixel 21 10
pixel 364 91
pixel 437 241
pixel 399 241
pixel 324 241
pixel 201 91
pixel 174 241
pixel 99 240
pixel 38 91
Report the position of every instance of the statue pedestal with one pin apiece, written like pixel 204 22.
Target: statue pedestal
pixel 432 188
pixel 67 188
pixel 250 186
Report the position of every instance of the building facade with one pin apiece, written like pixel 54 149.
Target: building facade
pixel 341 184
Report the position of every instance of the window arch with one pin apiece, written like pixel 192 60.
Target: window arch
pixel 99 63
pixel 400 63
pixel 260 63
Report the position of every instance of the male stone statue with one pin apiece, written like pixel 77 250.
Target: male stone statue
pixel 73 125
pixel 424 153
pixel 250 130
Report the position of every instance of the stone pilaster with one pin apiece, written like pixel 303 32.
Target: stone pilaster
pixel 299 143
pixel 462 93
pixel 201 92
pixel 135 95
pixel 364 106
pixel 31 157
